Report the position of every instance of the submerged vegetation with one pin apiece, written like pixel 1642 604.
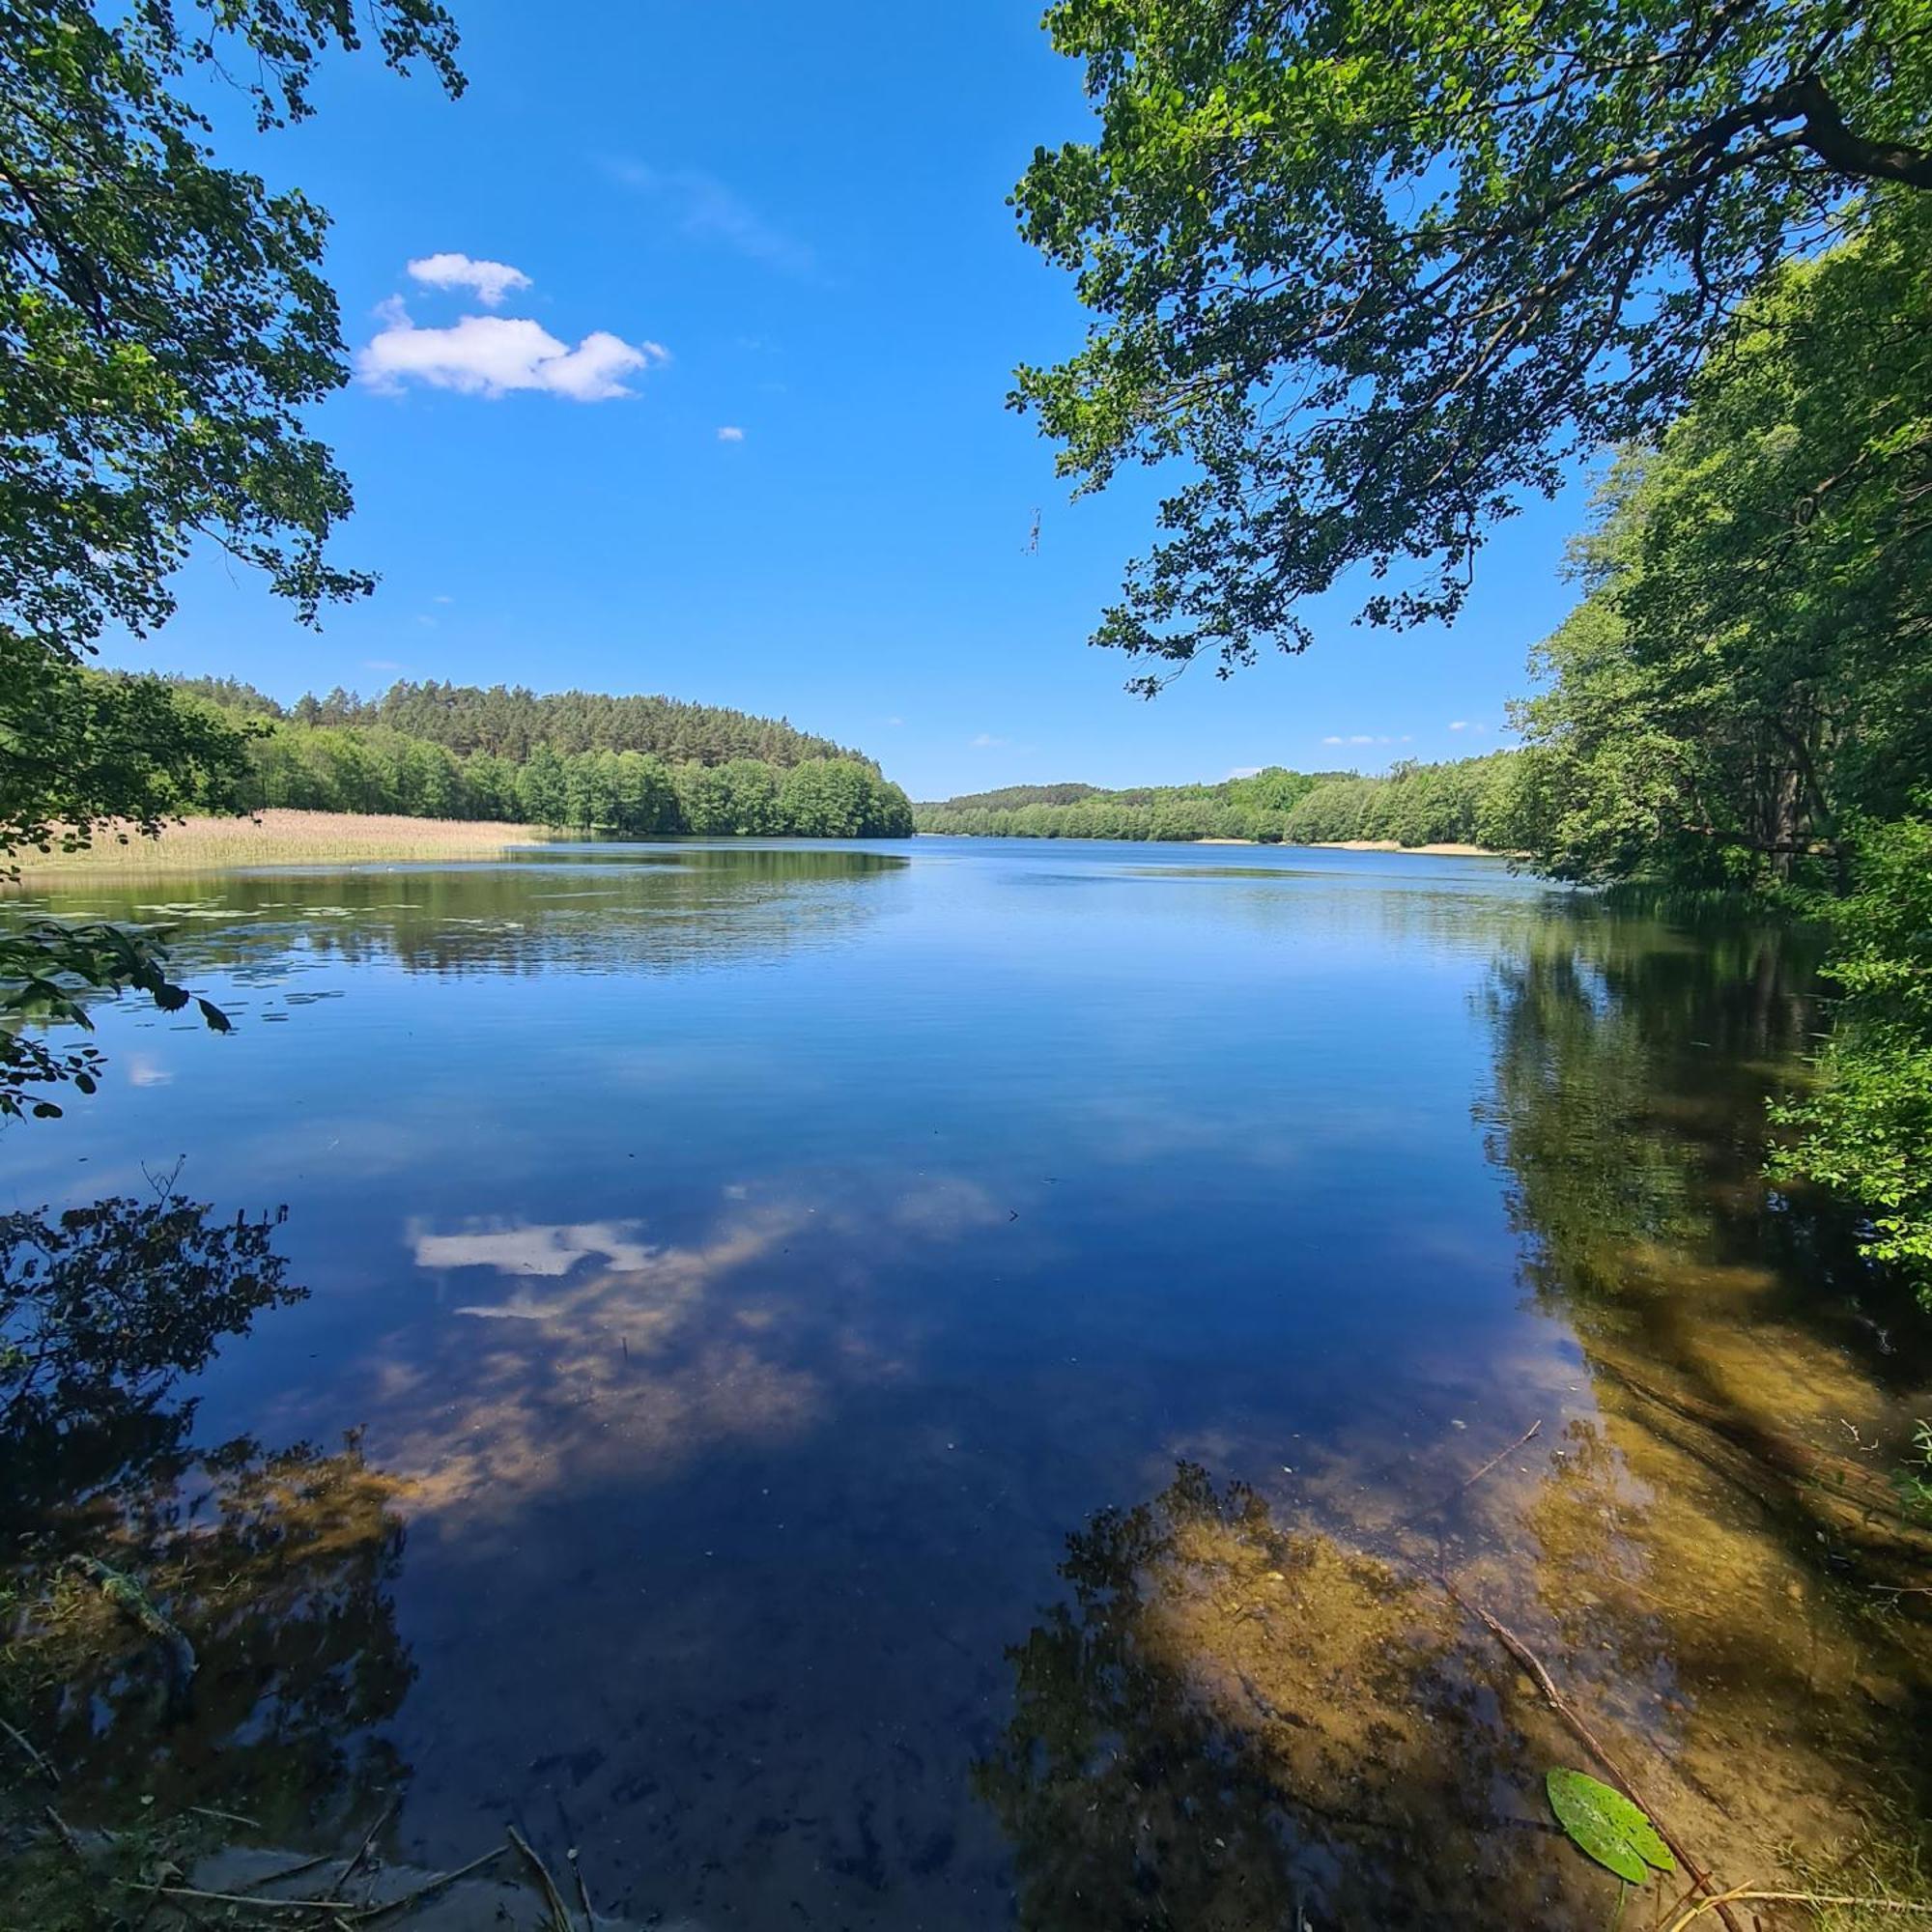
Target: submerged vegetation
pixel 1312 1697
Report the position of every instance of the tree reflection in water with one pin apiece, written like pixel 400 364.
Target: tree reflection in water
pixel 277 1565
pixel 1257 1711
pixel 1235 1725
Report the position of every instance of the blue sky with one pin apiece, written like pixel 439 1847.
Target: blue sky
pixel 735 429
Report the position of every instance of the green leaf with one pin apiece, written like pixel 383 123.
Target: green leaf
pixel 1606 1826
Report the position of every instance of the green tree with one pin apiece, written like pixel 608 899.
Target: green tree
pixel 1381 268
pixel 1865 1131
pixel 542 794
pixel 755 797
pixel 1752 668
pixel 825 798
pixel 163 325
pixel 706 798
pixel 646 796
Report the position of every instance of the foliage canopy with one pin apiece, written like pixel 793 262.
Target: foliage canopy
pixel 163 325
pixel 1377 269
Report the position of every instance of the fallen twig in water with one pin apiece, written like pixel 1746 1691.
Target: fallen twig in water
pixel 1469 1482
pixel 226 1817
pixel 1533 1664
pixel 560 1912
pixel 27 1745
pixel 65 1833
pixel 335 1910
pixel 369 1913
pixel 583 1890
pixel 348 1872
pixel 291 1871
pixel 1717 1902
pixel 256 1903
pixel 130 1598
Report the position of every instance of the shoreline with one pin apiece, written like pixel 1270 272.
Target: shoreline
pixel 1436 851
pixel 276 836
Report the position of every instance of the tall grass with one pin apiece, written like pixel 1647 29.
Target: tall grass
pixel 282 838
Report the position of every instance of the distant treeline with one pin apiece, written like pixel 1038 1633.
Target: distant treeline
pixel 510 721
pixel 1465 802
pixel 644 766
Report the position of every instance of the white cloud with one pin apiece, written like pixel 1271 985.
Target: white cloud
pixel 532 1247
pixel 984 741
pixel 896 721
pixel 730 433
pixel 442 600
pixel 492 355
pixel 491 282
pixel 1244 772
pixel 707 210
pixel 1359 738
pixel 1461 725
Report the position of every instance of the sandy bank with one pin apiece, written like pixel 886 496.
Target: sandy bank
pixel 1390 846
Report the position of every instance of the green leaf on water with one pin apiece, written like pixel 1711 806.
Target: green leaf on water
pixel 1606 1826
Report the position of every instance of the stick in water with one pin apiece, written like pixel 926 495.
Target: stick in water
pixel 348 1872
pixel 26 1744
pixel 1534 1430
pixel 560 1912
pixel 1532 1663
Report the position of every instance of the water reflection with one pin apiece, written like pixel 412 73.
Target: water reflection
pixel 585 1353
pixel 1235 1724
pixel 737 1349
pixel 593 910
pixel 209 1625
pixel 1259 1706
pixel 104 1310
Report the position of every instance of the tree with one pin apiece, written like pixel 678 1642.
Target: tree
pixel 1865 1131
pixel 1380 268
pixel 825 798
pixel 1751 672
pixel 542 794
pixel 163 319
pixel 706 800
pixel 755 797
pixel 163 325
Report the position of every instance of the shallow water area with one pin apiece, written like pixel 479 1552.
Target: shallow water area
pixel 938 1384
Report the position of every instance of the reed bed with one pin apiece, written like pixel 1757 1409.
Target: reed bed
pixel 282 839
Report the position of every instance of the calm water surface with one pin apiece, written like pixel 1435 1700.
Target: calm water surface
pixel 931 1386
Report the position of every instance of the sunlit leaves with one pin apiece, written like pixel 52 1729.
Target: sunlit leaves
pixel 1751 669
pixel 1379 269
pixel 163 327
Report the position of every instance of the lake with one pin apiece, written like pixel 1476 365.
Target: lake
pixel 935 1385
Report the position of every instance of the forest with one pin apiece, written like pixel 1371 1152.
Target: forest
pixel 1459 802
pixel 649 767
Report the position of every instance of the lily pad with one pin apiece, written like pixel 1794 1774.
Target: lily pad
pixel 1604 1824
